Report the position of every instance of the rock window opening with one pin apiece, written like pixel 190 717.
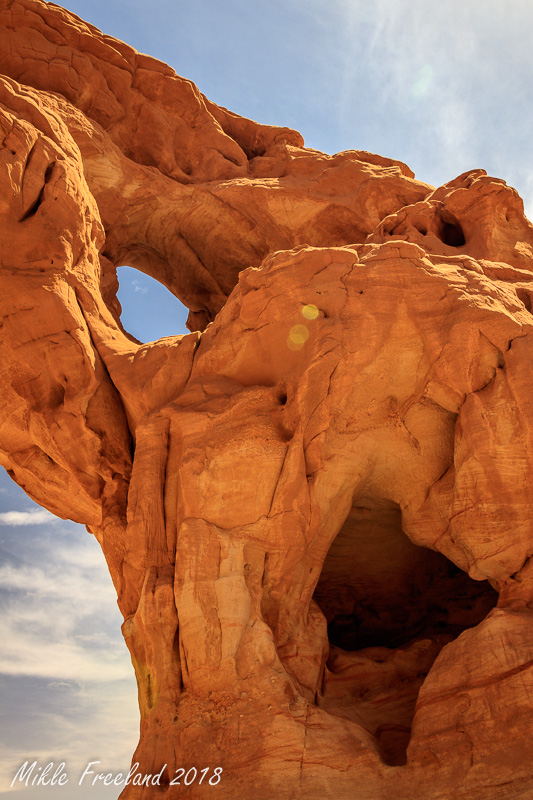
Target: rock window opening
pixel 149 310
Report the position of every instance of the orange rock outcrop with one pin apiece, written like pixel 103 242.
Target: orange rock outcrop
pixel 315 507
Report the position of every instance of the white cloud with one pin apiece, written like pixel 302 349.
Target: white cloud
pixel 68 685
pixel 56 620
pixel 99 723
pixel 35 516
pixel 138 287
pixel 85 582
pixel 25 654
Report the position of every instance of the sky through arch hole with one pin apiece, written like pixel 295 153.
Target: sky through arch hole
pixel 149 310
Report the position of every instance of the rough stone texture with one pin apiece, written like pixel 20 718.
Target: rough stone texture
pixel 317 509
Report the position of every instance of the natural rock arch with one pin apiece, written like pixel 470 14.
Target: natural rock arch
pixel 355 421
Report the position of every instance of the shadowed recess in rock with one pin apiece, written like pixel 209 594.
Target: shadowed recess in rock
pixel 391 607
pixel 450 231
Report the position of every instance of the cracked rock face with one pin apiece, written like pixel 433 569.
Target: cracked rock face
pixel 316 510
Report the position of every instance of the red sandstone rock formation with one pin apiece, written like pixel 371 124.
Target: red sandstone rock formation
pixel 317 509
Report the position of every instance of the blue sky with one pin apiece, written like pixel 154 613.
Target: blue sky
pixel 444 86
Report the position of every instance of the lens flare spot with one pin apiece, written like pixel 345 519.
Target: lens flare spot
pixel 310 311
pixel 423 82
pixel 298 336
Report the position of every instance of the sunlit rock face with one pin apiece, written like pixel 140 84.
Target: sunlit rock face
pixel 316 509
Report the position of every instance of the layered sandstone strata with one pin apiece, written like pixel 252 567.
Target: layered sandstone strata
pixel 316 508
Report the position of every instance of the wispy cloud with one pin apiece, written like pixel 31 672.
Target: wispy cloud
pixel 138 287
pixel 441 90
pixel 87 723
pixel 68 689
pixel 51 621
pixel 23 654
pixel 35 516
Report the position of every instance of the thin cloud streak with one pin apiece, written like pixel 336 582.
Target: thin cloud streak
pixel 35 516
pixel 73 587
pixel 29 656
pixel 51 623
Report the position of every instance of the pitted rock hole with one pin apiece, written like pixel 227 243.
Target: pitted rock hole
pixel 449 230
pixel 525 297
pixel 390 607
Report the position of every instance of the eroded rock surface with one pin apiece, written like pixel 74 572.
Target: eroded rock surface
pixel 316 510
